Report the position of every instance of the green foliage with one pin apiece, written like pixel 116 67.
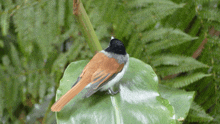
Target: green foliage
pixel 39 38
pixel 127 106
pixel 197 114
pixel 208 88
pixel 165 38
pixel 32 61
pixel 181 64
pixel 186 80
pixel 176 98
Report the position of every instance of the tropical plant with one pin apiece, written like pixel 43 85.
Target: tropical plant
pixel 38 39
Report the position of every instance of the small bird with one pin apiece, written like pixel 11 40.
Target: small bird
pixel 103 71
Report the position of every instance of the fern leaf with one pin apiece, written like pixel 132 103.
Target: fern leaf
pixel 184 81
pixel 2 92
pixel 4 22
pixel 204 1
pixel 165 60
pixel 61 12
pixel 153 13
pixel 14 56
pixel 210 14
pixel 1 43
pixel 143 3
pixel 168 39
pixel 206 94
pixel 198 114
pixel 185 64
pixel 156 34
pixel 211 102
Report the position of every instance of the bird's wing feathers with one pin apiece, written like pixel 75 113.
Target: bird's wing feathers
pixel 97 71
pixel 100 69
pixel 106 70
pixel 109 67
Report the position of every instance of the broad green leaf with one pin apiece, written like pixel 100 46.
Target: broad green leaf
pixel 179 99
pixel 38 111
pixel 137 102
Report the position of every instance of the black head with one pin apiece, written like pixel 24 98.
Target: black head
pixel 116 46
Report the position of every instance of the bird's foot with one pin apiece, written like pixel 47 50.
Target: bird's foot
pixel 110 91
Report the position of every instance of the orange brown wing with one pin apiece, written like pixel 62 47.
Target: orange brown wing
pixel 98 70
pixel 106 70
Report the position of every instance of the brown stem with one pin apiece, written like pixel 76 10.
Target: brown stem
pixel 86 26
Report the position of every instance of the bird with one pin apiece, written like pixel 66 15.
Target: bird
pixel 103 71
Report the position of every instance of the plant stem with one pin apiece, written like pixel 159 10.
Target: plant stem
pixel 86 26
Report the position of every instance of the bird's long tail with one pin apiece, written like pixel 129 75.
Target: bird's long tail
pixel 58 105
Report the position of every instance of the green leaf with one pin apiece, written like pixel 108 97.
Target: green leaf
pixel 1 43
pixel 61 12
pixel 137 102
pixel 14 57
pixel 6 61
pixel 210 14
pixel 184 64
pixel 167 37
pixel 43 85
pixel 154 12
pixel 4 23
pixel 2 101
pixel 198 114
pixel 179 99
pixel 33 83
pixel 181 17
pixel 186 80
pixel 158 60
pixel 141 3
pixel 204 1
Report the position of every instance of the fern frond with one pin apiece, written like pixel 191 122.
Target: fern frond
pixel 204 1
pixel 168 39
pixel 100 26
pixel 156 34
pixel 210 14
pixel 206 94
pixel 211 102
pixel 133 42
pixel 166 60
pixel 61 12
pixel 185 64
pixel 186 80
pixel 4 23
pixel 198 114
pixel 39 23
pixel 153 13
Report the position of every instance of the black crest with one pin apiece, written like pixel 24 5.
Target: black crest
pixel 116 46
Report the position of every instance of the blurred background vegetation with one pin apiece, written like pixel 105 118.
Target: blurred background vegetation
pixel 39 38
